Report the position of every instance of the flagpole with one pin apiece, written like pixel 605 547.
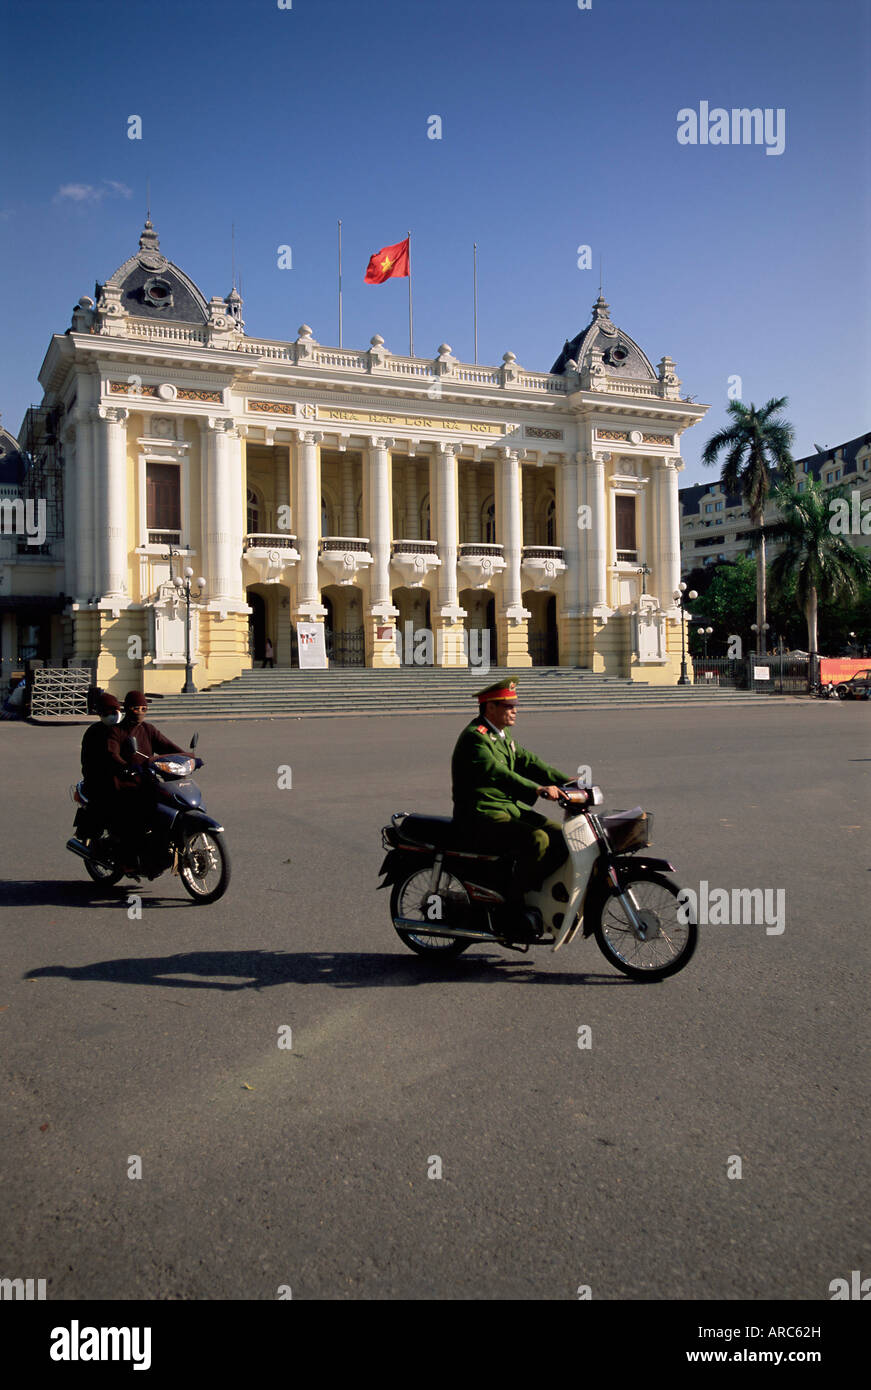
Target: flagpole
pixel 340 282
pixel 410 314
pixel 475 293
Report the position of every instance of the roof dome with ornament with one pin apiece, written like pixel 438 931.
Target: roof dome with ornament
pixel 621 356
pixel 153 287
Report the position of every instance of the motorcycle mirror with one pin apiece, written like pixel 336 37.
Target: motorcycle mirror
pixel 194 741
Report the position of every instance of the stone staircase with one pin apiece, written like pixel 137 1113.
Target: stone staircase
pixel 272 694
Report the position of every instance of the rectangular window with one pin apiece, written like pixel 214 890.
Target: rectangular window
pixel 719 506
pixel 163 497
pixel 624 516
pixel 709 507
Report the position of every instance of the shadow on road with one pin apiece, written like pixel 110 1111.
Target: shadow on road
pixel 73 893
pixel 234 970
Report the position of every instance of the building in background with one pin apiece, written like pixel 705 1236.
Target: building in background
pixel 32 596
pixel 716 526
pixel 369 491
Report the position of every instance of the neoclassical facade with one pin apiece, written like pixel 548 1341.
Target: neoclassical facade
pixel 536 512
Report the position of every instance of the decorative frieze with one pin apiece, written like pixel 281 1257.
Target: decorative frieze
pixel 664 439
pixel 273 407
pixel 620 436
pixel 210 397
pixel 535 432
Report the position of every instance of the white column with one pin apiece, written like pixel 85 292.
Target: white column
pixel 667 507
pixel 445 516
pixel 597 588
pixel 378 468
pixel 224 520
pixel 569 534
pixel 71 530
pixel 111 517
pixel 508 529
pixel 308 520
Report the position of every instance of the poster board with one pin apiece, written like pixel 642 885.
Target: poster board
pixel 312 647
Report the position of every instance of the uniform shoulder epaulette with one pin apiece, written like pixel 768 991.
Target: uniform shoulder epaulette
pixel 481 729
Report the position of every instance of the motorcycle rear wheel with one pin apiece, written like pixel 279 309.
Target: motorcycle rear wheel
pixel 204 866
pixel 646 960
pixel 407 898
pixel 107 878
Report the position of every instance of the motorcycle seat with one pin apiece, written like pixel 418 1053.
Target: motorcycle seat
pixel 440 833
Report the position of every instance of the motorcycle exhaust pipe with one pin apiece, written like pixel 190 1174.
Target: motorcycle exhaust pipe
pixel 412 924
pixel 76 847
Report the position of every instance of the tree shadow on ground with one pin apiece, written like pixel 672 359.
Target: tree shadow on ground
pixel 235 970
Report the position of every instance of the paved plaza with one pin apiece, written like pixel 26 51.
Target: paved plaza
pixel 314 1166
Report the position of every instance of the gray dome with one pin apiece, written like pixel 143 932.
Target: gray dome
pixel 153 287
pixel 621 356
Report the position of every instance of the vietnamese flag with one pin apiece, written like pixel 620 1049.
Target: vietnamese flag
pixel 389 261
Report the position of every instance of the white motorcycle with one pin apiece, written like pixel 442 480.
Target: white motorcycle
pixel 445 896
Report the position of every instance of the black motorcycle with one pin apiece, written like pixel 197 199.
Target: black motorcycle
pixel 446 896
pixel 177 835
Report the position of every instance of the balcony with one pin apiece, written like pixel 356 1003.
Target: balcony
pixel 480 562
pixel 413 560
pixel 269 555
pixel 542 565
pixel 344 556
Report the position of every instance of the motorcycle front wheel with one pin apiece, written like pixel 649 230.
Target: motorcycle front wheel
pixel 204 866
pixel 408 898
pixel 107 878
pixel 670 942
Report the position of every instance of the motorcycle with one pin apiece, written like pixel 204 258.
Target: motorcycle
pixel 178 834
pixel 445 897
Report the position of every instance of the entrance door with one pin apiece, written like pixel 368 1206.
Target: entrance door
pixel 256 626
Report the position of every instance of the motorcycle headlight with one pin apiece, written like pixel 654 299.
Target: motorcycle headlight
pixel 173 767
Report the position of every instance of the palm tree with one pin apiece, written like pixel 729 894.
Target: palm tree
pixel 757 444
pixel 826 566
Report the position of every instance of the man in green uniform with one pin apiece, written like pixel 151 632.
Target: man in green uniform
pixel 492 775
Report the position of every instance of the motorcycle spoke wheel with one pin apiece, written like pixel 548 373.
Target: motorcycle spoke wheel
pixel 102 845
pixel 204 866
pixel 670 943
pixel 409 899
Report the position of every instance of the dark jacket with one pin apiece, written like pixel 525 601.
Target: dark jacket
pixel 149 740
pixel 492 775
pixel 102 763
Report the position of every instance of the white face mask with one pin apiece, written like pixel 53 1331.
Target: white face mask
pixel 110 719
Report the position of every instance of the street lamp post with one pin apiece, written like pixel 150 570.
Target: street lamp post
pixel 704 633
pixel 680 596
pixel 185 591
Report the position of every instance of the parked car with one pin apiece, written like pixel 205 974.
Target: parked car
pixel 858 687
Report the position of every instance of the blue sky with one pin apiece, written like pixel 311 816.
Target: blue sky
pixel 558 130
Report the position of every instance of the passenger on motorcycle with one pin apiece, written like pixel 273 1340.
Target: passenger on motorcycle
pixel 495 782
pixel 149 740
pixel 100 763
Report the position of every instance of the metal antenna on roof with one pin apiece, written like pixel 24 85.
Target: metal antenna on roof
pixel 148 200
pixel 233 243
pixel 600 276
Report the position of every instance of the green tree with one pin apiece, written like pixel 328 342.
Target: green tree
pixel 729 600
pixel 757 443
pixel 824 566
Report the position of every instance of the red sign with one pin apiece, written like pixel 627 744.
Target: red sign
pixel 841 668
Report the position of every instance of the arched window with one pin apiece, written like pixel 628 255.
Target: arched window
pixel 255 508
pixel 488 521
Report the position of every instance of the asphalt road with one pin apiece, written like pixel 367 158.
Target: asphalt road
pixel 561 1167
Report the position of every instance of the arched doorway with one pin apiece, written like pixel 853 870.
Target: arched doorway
pixel 256 625
pixel 414 617
pixel 344 625
pixel 480 624
pixel 543 635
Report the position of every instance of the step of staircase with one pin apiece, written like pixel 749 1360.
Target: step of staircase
pixel 280 693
